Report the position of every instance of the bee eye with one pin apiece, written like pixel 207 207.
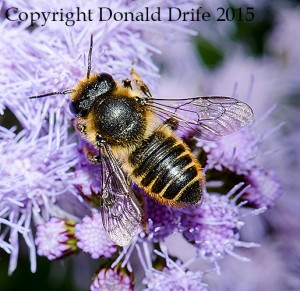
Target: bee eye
pixel 106 82
pixel 105 77
pixel 74 108
pixel 78 109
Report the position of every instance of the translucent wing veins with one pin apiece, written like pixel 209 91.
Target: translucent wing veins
pixel 120 211
pixel 208 117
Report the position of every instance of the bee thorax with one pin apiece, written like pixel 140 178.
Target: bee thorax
pixel 119 120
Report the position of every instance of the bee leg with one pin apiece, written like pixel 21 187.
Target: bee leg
pixel 81 128
pixel 172 123
pixel 90 155
pixel 92 158
pixel 99 140
pixel 138 81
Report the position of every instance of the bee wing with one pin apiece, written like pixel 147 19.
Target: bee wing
pixel 208 117
pixel 120 211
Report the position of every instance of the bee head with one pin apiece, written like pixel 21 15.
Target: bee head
pixel 87 90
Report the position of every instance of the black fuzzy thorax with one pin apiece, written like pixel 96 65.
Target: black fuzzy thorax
pixel 119 120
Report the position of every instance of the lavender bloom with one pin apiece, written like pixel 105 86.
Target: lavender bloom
pixel 175 276
pixel 237 155
pixel 37 178
pixel 265 271
pixel 265 188
pixel 55 238
pixel 115 279
pixel 213 227
pixel 174 279
pixel 236 152
pixel 87 177
pixel 92 237
pixel 161 220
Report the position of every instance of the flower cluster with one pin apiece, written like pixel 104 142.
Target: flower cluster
pixel 236 156
pixel 174 279
pixel 168 275
pixel 213 227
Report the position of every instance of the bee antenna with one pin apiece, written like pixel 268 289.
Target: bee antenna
pixel 90 58
pixel 52 93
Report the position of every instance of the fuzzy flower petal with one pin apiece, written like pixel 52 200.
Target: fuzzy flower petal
pixel 161 220
pixel 213 227
pixel 174 279
pixel 237 152
pixel 37 176
pixel 265 188
pixel 174 276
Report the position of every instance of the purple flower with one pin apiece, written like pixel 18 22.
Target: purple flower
pixel 237 152
pixel 265 271
pixel 265 188
pixel 213 227
pixel 237 156
pixel 174 276
pixel 114 279
pixel 35 177
pixel 161 220
pixel 55 238
pixel 87 179
pixel 174 279
pixel 92 237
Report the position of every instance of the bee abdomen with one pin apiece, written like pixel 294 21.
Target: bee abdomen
pixel 164 166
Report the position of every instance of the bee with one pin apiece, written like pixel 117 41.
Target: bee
pixel 134 135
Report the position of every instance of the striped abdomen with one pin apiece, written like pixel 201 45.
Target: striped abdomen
pixel 164 166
